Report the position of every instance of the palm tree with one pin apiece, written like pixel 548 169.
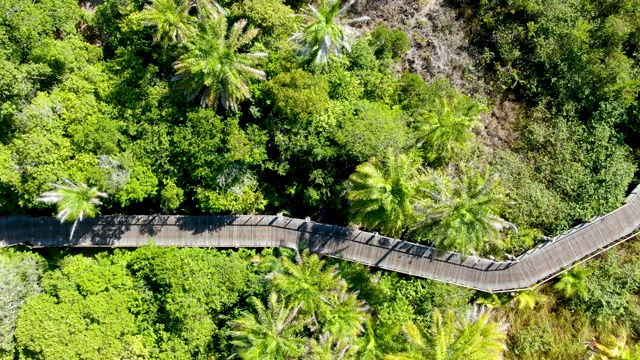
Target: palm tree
pixel 346 316
pixel 383 192
pixel 573 282
pixel 208 10
pixel 330 348
pixel 493 301
pixel 213 66
pixel 462 214
pixel 322 294
pixel 614 348
pixel 272 333
pixel 476 337
pixel 307 283
pixel 171 18
pixel 445 132
pixel 74 202
pixel 326 33
pixel 528 299
pixel 368 348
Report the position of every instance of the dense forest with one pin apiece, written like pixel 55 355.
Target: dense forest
pixel 475 126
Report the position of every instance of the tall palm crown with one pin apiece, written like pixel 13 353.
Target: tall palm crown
pixel 528 299
pixel 573 283
pixel 171 18
pixel 271 333
pixel 307 282
pixel 74 202
pixel 321 293
pixel 462 214
pixel 214 67
pixel 346 316
pixel 383 192
pixel 326 32
pixel 444 134
pixel 478 336
pixel 330 348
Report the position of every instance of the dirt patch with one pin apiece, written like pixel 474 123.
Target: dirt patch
pixel 501 124
pixel 441 47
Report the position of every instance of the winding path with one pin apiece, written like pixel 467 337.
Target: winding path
pixel 256 231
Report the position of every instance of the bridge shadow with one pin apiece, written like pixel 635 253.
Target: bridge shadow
pixel 203 224
pixel 324 239
pixel 330 240
pixel 337 241
pixel 99 231
pixel 151 225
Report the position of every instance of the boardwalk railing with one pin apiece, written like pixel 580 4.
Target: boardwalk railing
pixel 258 231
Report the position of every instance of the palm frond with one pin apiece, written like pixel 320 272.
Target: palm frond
pixel 213 67
pixel 74 202
pixel 326 34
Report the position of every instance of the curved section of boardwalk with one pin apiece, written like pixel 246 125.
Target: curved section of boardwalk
pixel 259 231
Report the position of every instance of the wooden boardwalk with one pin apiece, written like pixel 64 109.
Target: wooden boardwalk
pixel 257 231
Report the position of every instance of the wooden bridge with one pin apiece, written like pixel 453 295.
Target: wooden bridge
pixel 258 231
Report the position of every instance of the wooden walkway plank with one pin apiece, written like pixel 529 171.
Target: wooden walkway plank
pixel 260 231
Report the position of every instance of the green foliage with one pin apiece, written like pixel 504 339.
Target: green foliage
pixel 423 296
pixel 600 171
pixel 8 176
pixel 195 287
pixel 140 185
pixel 614 348
pixel 416 96
pixel 392 43
pixel 272 333
pixel 306 282
pixel 298 95
pixel 328 348
pixel 213 157
pixel 478 336
pixel 573 283
pixel 171 19
pixel 63 57
pixel 533 340
pixel 534 203
pixel 15 86
pixel 321 294
pixel 242 198
pixel 326 32
pixel 371 129
pixel 607 290
pixel 577 55
pixel 214 67
pixel 26 23
pixel 272 17
pixel 529 299
pixel 73 202
pixel 383 192
pixel 172 196
pixel 444 132
pixel 344 85
pixel 20 275
pixel 444 119
pixel 88 96
pixel 206 146
pixel 74 317
pixel 462 214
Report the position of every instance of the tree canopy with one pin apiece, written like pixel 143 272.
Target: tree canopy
pixel 363 115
